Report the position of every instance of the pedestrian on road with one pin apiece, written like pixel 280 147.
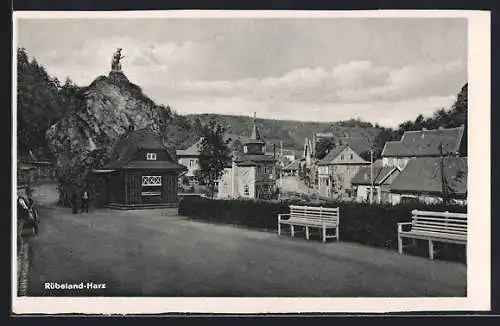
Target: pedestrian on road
pixel 74 203
pixel 85 202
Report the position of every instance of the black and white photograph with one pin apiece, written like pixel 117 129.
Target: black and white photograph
pixel 250 162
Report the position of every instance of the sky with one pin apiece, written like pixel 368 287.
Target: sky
pixel 381 70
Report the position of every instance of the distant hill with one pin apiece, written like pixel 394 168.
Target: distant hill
pixel 292 133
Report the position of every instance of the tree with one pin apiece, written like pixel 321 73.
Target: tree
pixel 459 116
pixel 161 120
pixel 197 127
pixel 39 103
pixel 323 146
pixel 214 154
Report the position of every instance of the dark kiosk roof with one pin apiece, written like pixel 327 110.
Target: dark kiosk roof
pixel 380 173
pixel 425 143
pixel 423 175
pixel 130 143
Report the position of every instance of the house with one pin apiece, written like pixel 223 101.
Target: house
pixel 26 173
pixel 190 157
pixel 32 168
pixel 430 179
pixel 382 178
pixel 291 169
pixel 336 170
pixel 140 174
pixel 287 155
pixel 308 170
pixel 251 173
pixel 422 143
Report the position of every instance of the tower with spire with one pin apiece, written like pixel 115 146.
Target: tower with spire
pixel 251 173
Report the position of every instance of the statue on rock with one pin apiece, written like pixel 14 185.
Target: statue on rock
pixel 115 63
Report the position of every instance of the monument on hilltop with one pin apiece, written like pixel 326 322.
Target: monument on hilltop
pixel 116 66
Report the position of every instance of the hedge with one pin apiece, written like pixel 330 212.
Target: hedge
pixel 374 225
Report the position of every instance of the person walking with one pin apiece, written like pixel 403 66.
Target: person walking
pixel 74 203
pixel 85 202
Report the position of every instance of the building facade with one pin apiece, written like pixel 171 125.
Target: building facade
pixel 382 179
pixel 251 174
pixel 140 174
pixel 430 164
pixel 190 157
pixel 336 170
pixel 422 143
pixel 431 179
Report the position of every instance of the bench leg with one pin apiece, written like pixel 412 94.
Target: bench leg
pixel 279 228
pixel 431 249
pixel 307 232
pixel 324 234
pixel 292 231
pixel 337 233
pixel 400 245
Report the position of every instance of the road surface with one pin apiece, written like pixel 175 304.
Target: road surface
pixel 143 253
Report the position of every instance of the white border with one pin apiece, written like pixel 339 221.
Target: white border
pixel 478 255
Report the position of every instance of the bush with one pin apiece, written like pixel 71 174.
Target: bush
pixel 374 225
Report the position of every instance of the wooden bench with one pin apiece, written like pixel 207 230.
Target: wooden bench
pixel 434 227
pixel 316 218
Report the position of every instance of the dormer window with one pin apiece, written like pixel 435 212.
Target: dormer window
pixel 245 149
pixel 151 156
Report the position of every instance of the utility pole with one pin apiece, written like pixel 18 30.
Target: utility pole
pixel 371 175
pixel 444 182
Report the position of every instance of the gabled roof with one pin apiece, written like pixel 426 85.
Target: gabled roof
pixel 332 154
pixel 193 150
pixel 423 175
pixel 130 143
pixel 292 166
pixel 357 144
pixel 425 143
pixel 380 174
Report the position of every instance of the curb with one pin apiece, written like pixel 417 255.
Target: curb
pixel 22 269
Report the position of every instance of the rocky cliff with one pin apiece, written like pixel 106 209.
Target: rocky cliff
pixel 83 138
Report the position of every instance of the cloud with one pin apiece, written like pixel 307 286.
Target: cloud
pixel 354 82
pixel 394 112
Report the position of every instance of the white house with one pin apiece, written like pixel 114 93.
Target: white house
pixel 422 143
pixel 382 179
pixel 430 179
pixel 336 170
pixel 190 157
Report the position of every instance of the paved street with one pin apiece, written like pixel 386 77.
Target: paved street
pixel 142 253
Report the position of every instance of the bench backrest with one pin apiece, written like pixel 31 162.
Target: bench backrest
pixel 442 222
pixel 314 213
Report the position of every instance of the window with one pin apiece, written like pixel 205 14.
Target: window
pixel 246 191
pixel 352 156
pixel 151 156
pixel 342 156
pixel 245 149
pixel 151 185
pixel 191 163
